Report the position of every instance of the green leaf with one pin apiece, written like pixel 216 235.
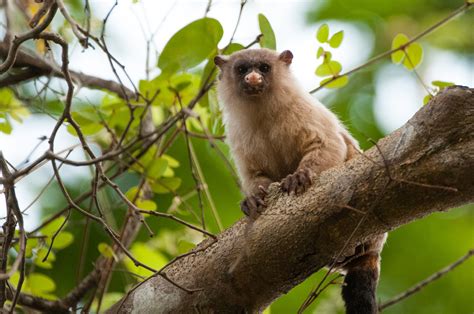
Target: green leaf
pixel 182 85
pixel 441 84
pixel 398 56
pixel 167 96
pixel 146 255
pixel 320 52
pixel 30 245
pixel 131 194
pixel 268 39
pixel 190 46
pixel 5 126
pixel 173 163
pixel 106 250
pixel 157 167
pixel 145 160
pixel 331 68
pixel 88 122
pixel 118 118
pixel 185 246
pixel 109 299
pixel 54 107
pixel 112 101
pixel 40 283
pixel 10 107
pixel 336 39
pixel 413 57
pixel 208 75
pixel 40 255
pixel 323 33
pixel 146 204
pixel 63 240
pixel 427 99
pixel 337 83
pixel 327 56
pixel 89 129
pixel 398 41
pixel 168 173
pixel 53 226
pixel 166 185
pixel 233 47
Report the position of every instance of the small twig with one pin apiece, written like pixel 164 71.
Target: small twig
pixel 206 136
pixel 416 288
pixel 45 258
pixel 208 7
pixel 169 216
pixel 192 164
pixel 74 25
pixel 47 4
pixel 18 40
pixel 353 209
pixel 13 210
pixel 242 6
pixel 379 57
pixel 390 176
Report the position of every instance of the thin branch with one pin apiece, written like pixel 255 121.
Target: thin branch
pixel 72 22
pixel 33 33
pixel 169 216
pixel 416 288
pixel 381 56
pixel 13 210
pixel 42 66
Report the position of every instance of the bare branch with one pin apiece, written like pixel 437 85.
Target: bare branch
pixel 416 288
pixel 466 6
pixel 33 33
pixel 41 66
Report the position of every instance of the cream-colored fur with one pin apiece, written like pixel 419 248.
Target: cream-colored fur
pixel 281 131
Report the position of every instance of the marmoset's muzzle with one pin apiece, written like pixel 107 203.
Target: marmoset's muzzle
pixel 253 79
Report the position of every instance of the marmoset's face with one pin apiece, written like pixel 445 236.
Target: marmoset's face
pixel 253 76
pixel 252 72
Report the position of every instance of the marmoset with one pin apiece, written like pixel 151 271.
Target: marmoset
pixel 277 132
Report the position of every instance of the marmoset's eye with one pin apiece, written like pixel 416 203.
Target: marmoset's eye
pixel 264 68
pixel 242 69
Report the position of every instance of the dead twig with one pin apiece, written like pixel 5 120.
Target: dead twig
pixel 416 288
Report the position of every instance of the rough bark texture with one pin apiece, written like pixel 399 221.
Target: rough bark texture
pixel 297 236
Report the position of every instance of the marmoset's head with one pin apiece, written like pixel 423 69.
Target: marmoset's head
pixel 253 72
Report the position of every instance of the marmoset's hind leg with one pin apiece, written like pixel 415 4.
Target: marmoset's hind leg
pixel 360 282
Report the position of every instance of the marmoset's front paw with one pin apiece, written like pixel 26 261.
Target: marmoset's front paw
pixel 254 204
pixel 297 182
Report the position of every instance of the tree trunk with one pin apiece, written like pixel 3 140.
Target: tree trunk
pixel 427 166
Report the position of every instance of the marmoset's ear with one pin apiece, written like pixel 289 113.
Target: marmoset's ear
pixel 220 60
pixel 286 56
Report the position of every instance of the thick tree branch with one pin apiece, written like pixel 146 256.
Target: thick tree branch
pixel 40 66
pixel 296 236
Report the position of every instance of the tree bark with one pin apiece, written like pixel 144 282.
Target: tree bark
pixel 425 166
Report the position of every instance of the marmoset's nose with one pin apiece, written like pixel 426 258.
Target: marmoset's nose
pixel 253 78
